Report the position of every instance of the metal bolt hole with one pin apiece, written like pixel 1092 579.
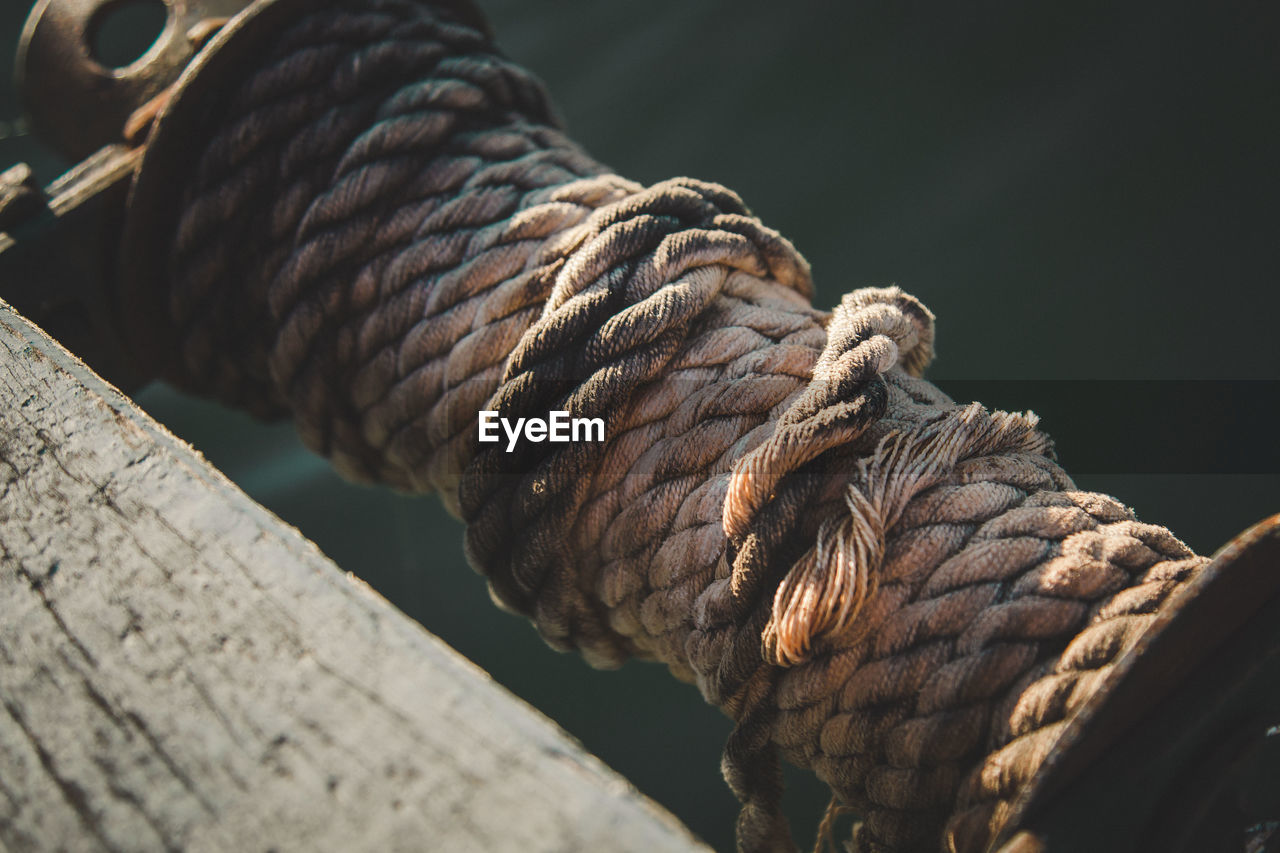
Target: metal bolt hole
pixel 120 32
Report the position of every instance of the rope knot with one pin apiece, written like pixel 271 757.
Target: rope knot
pixel 629 287
pixel 871 331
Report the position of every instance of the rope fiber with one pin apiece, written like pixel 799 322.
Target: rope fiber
pixel 384 232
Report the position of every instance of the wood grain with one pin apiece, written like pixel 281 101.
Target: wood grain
pixel 180 670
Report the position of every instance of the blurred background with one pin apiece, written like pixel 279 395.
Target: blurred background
pixel 1084 194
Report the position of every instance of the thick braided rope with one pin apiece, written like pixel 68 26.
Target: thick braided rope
pixel 385 234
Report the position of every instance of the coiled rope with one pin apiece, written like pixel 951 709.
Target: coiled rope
pixel 385 233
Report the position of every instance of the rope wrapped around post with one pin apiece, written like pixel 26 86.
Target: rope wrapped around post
pixel 386 234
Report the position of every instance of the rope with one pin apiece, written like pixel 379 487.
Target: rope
pixel 385 233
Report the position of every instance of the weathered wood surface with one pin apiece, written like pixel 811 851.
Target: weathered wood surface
pixel 181 670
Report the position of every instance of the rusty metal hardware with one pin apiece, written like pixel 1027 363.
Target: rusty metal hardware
pixel 77 105
pixel 59 246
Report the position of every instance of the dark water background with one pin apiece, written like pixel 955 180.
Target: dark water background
pixel 1085 194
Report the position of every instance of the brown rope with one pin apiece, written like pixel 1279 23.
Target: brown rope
pixel 385 234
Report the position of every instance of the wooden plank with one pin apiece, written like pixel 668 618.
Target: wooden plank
pixel 180 670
